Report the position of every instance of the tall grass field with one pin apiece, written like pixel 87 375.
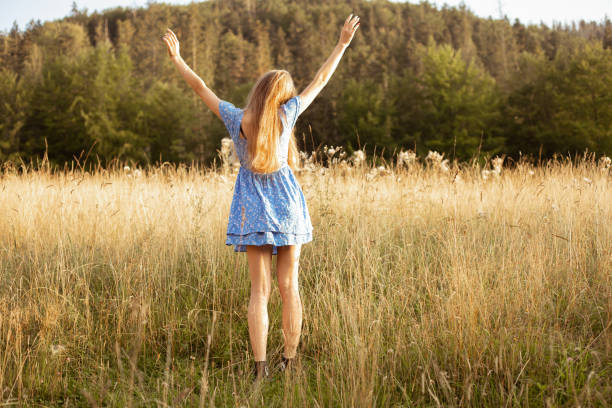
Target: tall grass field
pixel 427 284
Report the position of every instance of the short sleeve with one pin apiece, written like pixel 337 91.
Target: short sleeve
pixel 229 115
pixel 292 110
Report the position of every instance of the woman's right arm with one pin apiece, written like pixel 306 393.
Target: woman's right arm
pixel 193 80
pixel 329 66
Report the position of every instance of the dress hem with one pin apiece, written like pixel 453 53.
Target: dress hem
pixel 274 238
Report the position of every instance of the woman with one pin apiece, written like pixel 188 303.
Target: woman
pixel 268 215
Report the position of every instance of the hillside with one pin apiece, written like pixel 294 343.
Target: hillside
pixel 414 77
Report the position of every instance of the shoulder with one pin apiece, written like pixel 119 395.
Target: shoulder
pixel 292 104
pixel 231 117
pixel 227 108
pixel 229 113
pixel 292 109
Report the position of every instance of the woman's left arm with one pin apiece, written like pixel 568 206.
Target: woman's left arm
pixel 195 82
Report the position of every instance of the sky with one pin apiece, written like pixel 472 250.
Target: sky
pixel 527 11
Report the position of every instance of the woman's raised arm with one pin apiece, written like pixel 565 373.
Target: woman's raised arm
pixel 195 82
pixel 329 66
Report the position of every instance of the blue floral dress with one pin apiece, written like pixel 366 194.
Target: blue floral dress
pixel 266 209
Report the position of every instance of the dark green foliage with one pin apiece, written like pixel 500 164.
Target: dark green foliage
pixel 170 121
pixel 564 105
pixel 413 76
pixel 14 100
pixel 84 102
pixel 448 104
pixel 366 115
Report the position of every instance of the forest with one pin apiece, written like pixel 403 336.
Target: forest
pixel 101 86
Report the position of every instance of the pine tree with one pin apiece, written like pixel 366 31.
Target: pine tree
pixel 454 103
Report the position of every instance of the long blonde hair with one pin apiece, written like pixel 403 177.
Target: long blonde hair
pixel 271 90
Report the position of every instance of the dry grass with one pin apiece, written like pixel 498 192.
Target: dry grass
pixel 424 286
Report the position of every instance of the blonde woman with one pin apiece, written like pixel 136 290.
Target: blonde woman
pixel 268 214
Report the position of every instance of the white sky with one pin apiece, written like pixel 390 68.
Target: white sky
pixel 536 11
pixel 527 11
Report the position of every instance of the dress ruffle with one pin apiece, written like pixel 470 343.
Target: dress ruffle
pixel 273 238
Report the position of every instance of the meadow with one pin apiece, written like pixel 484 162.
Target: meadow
pixel 428 283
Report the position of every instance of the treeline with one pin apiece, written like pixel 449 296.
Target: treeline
pixel 414 77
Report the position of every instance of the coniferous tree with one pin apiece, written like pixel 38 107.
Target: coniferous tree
pixel 544 85
pixel 453 104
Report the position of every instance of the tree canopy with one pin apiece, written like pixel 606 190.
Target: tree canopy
pixel 414 77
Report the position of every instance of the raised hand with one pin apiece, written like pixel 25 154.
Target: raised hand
pixel 172 43
pixel 348 31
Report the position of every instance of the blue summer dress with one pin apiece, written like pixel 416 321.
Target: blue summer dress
pixel 270 208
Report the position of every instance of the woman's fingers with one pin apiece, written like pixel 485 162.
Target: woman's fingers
pixel 170 40
pixel 172 35
pixel 348 29
pixel 351 22
pixel 168 44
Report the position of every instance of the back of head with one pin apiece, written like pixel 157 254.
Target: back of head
pixel 271 90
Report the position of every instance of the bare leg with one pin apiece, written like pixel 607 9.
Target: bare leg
pixel 288 258
pixel 259 259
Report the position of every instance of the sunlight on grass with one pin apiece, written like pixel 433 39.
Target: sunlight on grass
pixel 427 284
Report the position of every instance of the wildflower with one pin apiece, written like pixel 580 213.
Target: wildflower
pixel 233 159
pixel 372 173
pixel 358 157
pixel 497 165
pixel 605 163
pixel 406 158
pixel 137 173
pixel 344 166
pixel 126 168
pixel 226 146
pixel 228 154
pixel 485 174
pixel 331 151
pixel 307 162
pixel 436 160
pixel 444 166
pixel 587 180
pixel 57 349
pixel 434 157
pixel 531 172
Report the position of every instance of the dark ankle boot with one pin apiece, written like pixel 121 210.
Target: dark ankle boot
pixel 286 363
pixel 260 370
